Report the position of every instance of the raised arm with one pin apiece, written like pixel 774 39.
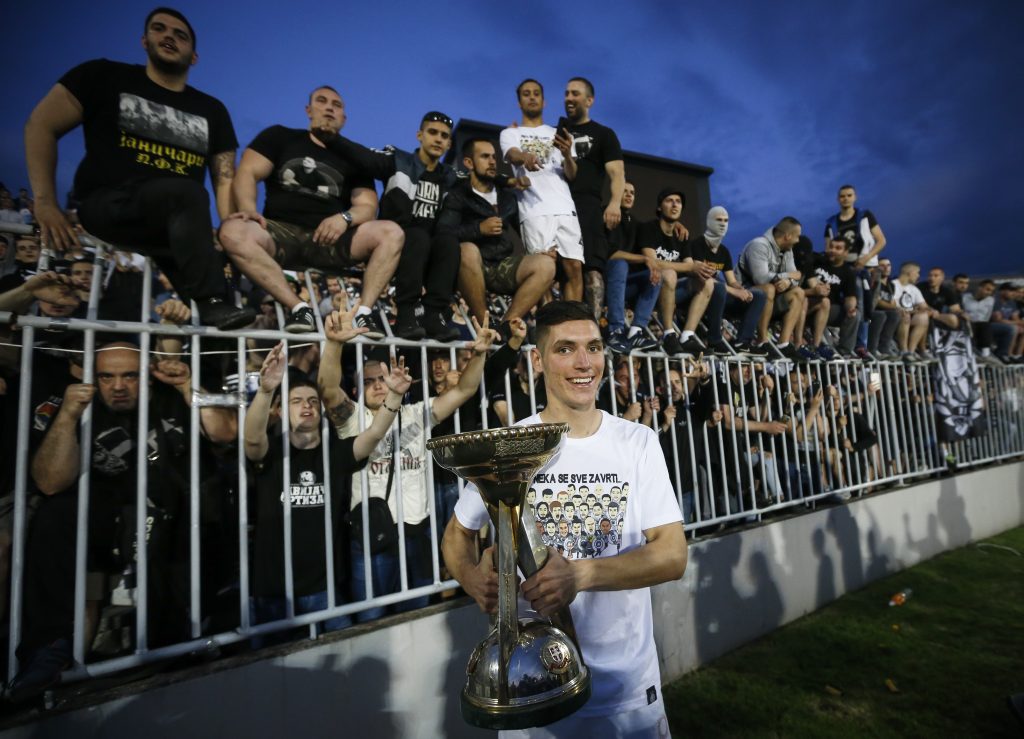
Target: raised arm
pixel 398 381
pixel 338 328
pixel 218 423
pixel 54 116
pixel 271 373
pixel 56 463
pixel 469 383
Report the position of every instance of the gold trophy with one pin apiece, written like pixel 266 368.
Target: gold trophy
pixel 527 672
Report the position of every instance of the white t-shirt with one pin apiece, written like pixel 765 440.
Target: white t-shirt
pixel 548 193
pixel 906 296
pixel 491 197
pixel 978 311
pixel 624 461
pixel 413 454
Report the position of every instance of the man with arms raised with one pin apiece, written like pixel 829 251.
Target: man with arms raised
pixel 546 208
pixel 606 589
pixel 149 139
pixel 319 214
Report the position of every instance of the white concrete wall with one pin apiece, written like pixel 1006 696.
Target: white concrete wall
pixel 404 680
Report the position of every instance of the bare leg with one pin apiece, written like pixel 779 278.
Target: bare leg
pixel 251 249
pixel 471 281
pixel 766 314
pixel 379 244
pixel 918 330
pixel 573 279
pixel 698 304
pixel 796 307
pixel 820 311
pixel 667 298
pixel 903 331
pixel 534 277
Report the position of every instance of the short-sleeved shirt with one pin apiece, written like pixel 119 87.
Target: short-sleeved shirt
pixel 666 247
pixel 308 490
pixel 548 193
pixel 593 147
pixel 719 258
pixel 136 130
pixel 978 311
pixel 309 182
pixel 850 230
pixel 615 629
pixel 842 279
pixel 943 300
pixel 907 297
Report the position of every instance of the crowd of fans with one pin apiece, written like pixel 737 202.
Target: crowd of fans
pixel 457 256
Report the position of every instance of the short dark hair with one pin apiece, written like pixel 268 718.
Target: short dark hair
pixel 846 187
pixel 469 144
pixel 987 281
pixel 838 240
pixel 561 311
pixel 322 87
pixel 529 79
pixel 1007 286
pixel 174 14
pixel 960 276
pixel 586 83
pixel 785 225
pixel 295 382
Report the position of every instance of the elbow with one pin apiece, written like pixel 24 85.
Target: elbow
pixel 677 565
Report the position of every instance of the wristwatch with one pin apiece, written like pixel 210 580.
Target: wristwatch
pixel 347 215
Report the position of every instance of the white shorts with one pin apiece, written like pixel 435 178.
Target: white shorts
pixel 540 233
pixel 648 722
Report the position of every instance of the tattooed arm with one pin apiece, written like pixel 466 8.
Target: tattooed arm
pixel 338 329
pixel 222 172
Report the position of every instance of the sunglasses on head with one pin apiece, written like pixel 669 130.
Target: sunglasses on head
pixel 438 118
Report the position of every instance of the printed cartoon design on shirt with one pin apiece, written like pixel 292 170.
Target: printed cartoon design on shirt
pixel 310 177
pixel 581 519
pixel 308 493
pixel 539 147
pixel 164 137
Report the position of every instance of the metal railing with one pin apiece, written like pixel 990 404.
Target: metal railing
pixel 728 462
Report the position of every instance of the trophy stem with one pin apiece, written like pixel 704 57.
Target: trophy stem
pixel 508 615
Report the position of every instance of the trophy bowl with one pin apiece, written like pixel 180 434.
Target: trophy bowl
pixel 527 672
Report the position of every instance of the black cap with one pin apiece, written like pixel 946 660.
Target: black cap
pixel 666 191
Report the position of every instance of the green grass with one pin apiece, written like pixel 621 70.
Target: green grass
pixel 954 651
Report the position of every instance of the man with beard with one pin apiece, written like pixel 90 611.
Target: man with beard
pixel 485 219
pixel 885 315
pixel 684 280
pixel 832 298
pixel 546 208
pixel 598 155
pixel 415 186
pixel 149 139
pixel 326 224
pixel 45 648
pixel 739 300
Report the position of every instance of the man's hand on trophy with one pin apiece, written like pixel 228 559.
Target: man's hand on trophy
pixel 481 582
pixel 553 586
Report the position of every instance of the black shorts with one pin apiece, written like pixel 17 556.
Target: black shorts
pixel 294 248
pixel 595 241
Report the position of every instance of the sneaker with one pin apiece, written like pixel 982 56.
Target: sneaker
pixel 720 348
pixel 41 671
pixel 909 358
pixel 301 321
pixel 407 327
pixel 372 322
pixel 806 352
pixel 826 353
pixel 692 346
pixel 618 342
pixel 438 327
pixel 862 353
pixel 754 350
pixel 791 353
pixel 641 342
pixel 670 343
pixel 224 316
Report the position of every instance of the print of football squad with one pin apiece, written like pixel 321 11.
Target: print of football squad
pixel 580 520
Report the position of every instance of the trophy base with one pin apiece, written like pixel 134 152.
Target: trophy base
pixel 547 680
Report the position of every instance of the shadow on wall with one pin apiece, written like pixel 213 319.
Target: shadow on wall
pixel 270 699
pixel 952 514
pixel 825 590
pixel 844 528
pixel 723 617
pixel 461 622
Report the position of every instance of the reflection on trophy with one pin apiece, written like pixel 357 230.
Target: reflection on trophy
pixel 526 672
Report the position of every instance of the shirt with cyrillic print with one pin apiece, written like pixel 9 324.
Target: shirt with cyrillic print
pixel 617 471
pixel 308 490
pixel 593 147
pixel 136 130
pixel 309 182
pixel 548 193
pixel 413 456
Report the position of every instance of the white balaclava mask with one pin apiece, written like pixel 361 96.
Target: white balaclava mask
pixel 716 231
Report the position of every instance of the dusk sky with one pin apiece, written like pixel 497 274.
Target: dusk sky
pixel 918 104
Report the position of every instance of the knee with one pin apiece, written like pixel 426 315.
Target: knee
pixel 391 236
pixel 769 292
pixel 541 265
pixel 669 278
pixel 232 234
pixel 469 254
pixel 718 288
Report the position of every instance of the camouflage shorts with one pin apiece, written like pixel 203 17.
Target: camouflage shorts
pixel 294 248
pixel 501 276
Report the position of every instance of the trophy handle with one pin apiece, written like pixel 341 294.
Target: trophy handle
pixel 508 611
pixel 533 554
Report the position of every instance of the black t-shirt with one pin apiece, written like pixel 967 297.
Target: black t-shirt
pixel 594 146
pixel 666 247
pixel 309 182
pixel 136 130
pixel 426 204
pixel 942 300
pixel 850 230
pixel 307 492
pixel 701 251
pixel 842 279
pixel 520 400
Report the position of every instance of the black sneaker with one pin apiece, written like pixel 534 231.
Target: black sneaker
pixel 407 327
pixel 641 342
pixel 618 342
pixel 41 671
pixel 754 350
pixel 720 348
pixel 670 343
pixel 301 321
pixel 791 353
pixel 692 346
pixel 438 327
pixel 371 322
pixel 224 316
